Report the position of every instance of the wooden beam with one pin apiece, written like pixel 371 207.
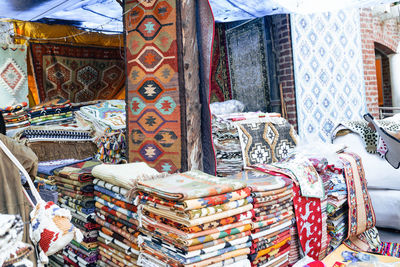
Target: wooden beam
pixel 192 84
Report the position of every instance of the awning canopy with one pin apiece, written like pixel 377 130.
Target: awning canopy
pixel 107 14
pixel 234 10
pixel 94 14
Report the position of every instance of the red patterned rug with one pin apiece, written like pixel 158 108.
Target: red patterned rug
pixel 220 81
pixel 77 73
pixel 154 97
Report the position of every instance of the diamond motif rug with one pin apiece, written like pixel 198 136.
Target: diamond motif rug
pixel 264 141
pixel 155 99
pixel 328 71
pixel 13 75
pixel 220 80
pixel 77 73
pixel 248 64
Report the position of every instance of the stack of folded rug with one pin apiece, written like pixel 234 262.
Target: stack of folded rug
pixel 75 186
pixel 13 252
pixel 118 235
pixel 273 216
pixel 15 118
pixel 194 219
pixel 337 208
pixel 228 152
pixel 56 111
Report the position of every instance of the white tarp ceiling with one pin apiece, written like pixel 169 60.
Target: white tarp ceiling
pixel 233 10
pixel 107 14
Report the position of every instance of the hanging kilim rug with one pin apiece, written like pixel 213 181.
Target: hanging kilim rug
pixel 77 73
pixel 220 80
pixel 13 75
pixel 154 98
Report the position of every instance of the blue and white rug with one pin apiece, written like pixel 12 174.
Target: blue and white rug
pixel 328 70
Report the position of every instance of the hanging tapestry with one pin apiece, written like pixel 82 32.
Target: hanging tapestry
pixel 13 75
pixel 77 73
pixel 328 71
pixel 248 64
pixel 154 97
pixel 265 140
pixel 220 81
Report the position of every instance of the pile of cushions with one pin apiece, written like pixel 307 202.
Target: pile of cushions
pixel 194 219
pixel 273 215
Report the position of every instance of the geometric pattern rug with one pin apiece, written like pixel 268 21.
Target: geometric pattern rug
pixel 77 73
pixel 220 80
pixel 154 98
pixel 328 69
pixel 13 75
pixel 248 64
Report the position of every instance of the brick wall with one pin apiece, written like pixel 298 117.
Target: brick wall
pixel 381 35
pixel 386 88
pixel 284 55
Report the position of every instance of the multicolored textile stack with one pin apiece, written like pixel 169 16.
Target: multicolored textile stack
pixel 337 208
pixel 194 219
pixel 13 252
pixel 228 152
pixel 15 118
pixel 117 216
pixel 75 186
pixel 107 115
pixel 108 121
pixel 57 111
pixel 272 222
pixel 309 202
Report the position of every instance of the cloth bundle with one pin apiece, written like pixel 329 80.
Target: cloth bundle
pixel 75 192
pixel 116 215
pixel 273 216
pixel 56 111
pixel 12 249
pixel 111 147
pixel 194 219
pixel 15 118
pixel 108 121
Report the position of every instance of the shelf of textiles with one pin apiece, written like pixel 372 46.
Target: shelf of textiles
pixel 58 129
pixel 244 139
